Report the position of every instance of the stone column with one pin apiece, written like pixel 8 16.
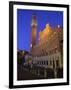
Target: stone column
pixel 45 72
pixel 60 64
pixel 55 71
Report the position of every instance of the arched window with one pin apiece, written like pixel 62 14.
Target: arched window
pixel 47 62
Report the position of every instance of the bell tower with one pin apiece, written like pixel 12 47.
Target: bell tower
pixel 33 31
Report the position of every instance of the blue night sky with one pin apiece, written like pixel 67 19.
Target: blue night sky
pixel 24 18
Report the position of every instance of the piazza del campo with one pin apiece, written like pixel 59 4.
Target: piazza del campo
pixel 45 58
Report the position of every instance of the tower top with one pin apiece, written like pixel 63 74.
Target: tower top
pixel 34 21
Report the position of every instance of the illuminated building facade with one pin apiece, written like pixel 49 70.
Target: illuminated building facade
pixel 49 50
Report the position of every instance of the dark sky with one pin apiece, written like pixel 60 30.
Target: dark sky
pixel 24 18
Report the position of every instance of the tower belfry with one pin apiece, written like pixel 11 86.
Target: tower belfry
pixel 33 31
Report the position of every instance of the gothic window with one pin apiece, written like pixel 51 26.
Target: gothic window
pixel 47 62
pixel 42 62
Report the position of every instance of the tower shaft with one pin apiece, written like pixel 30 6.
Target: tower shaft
pixel 33 32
